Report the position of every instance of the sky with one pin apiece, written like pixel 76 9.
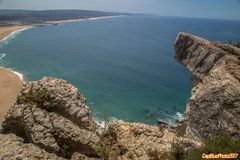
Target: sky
pixel 219 9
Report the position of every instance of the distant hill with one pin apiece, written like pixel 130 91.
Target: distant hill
pixel 40 16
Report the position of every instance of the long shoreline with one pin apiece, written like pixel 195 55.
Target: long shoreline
pixel 6 32
pixel 81 19
pixel 10 81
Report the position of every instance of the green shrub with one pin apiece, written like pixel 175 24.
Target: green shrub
pixel 66 151
pixel 206 72
pixel 236 44
pixel 41 99
pixel 103 150
pixel 177 152
pixel 223 143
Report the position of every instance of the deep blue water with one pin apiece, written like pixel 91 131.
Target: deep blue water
pixel 124 64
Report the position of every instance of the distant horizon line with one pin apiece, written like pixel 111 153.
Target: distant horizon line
pixel 133 13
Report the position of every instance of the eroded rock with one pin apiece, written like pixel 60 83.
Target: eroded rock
pixel 141 141
pixel 51 114
pixel 13 147
pixel 214 106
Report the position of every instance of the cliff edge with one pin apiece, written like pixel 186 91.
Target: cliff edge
pixel 214 106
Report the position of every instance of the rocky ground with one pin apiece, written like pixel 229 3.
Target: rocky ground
pixel 51 120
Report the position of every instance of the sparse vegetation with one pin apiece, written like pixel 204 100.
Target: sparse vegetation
pixel 207 70
pixel 177 152
pixel 41 99
pixel 65 151
pixel 236 44
pixel 103 148
pixel 219 144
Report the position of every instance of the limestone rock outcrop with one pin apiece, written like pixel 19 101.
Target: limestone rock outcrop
pixel 52 114
pixel 142 141
pixel 13 147
pixel 67 99
pixel 214 106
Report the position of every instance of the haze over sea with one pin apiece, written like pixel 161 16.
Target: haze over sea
pixel 124 64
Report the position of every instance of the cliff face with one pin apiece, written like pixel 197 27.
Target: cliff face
pixel 54 121
pixel 214 106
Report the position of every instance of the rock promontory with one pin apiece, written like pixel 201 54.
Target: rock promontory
pixel 214 106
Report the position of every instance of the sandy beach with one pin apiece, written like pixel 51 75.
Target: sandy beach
pixel 64 21
pixel 7 30
pixel 10 85
pixel 80 19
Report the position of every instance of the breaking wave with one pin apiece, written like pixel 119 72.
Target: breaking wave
pixel 2 56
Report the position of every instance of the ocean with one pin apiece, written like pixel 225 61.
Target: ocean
pixel 124 66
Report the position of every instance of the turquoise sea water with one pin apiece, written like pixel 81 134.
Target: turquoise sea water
pixel 124 64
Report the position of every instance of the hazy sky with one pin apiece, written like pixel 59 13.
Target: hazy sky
pixel 223 9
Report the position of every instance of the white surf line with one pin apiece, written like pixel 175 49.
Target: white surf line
pixel 14 32
pixel 20 75
pixel 2 56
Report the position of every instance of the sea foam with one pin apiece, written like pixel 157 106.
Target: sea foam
pixel 2 56
pixel 172 119
pixel 102 123
pixel 20 75
pixel 5 41
pixel 13 35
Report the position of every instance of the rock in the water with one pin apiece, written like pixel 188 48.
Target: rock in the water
pixel 162 124
pixel 51 113
pixel 12 147
pixel 214 106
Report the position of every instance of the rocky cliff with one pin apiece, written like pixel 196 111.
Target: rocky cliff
pixel 214 106
pixel 51 120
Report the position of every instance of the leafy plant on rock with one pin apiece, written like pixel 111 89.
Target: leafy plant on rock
pixel 40 98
